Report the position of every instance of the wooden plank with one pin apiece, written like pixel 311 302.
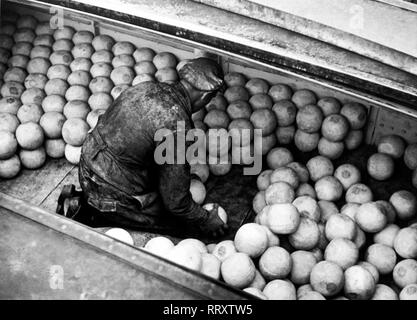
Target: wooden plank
pixel 35 185
pixel 50 201
pixel 391 122
pixel 361 18
pixel 404 4
pixel 38 246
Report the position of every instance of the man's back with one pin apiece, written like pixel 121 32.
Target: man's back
pixel 128 128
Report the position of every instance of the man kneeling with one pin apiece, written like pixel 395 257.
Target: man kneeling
pixel 121 183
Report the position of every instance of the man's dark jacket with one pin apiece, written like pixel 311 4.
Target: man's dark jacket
pixel 118 173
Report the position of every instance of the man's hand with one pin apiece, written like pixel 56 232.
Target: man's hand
pixel 214 226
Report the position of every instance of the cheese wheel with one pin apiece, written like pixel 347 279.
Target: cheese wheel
pixel 77 93
pixel 81 64
pixel 30 135
pixel 4 55
pixel 142 78
pixel 235 93
pixel 15 74
pixel 44 28
pixel 7 28
pixel 10 168
pixel 3 69
pixel 36 80
pixel 165 60
pixel 166 75
pixel 122 75
pixel 10 105
pixel 72 154
pixel 101 69
pixel 257 86
pixel 93 116
pixel 103 42
pixel 61 57
pixel 82 50
pixel 19 61
pixel 40 52
pixel 53 103
pixel 12 89
pixel 74 131
pixel 26 21
pixel 81 78
pixel 62 45
pixel 64 33
pixel 100 100
pixel 117 90
pixel 55 148
pixel 24 35
pixel 123 47
pixel 8 122
pixel 105 56
pixel 6 42
pixel 58 71
pixel 234 79
pixel 22 48
pixel 44 40
pixel 143 54
pixel 82 36
pixel 56 86
pixel 33 159
pixel 38 65
pixel 52 123
pixel 32 95
pixel 30 113
pixel 279 92
pixel 123 60
pixel 76 109
pixel 101 84
pixel 145 67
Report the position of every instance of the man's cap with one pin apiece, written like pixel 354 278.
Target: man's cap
pixel 203 74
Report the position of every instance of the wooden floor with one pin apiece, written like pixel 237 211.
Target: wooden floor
pixel 42 187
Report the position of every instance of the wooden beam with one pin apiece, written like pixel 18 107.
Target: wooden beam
pixel 36 245
pixel 344 23
pixel 232 34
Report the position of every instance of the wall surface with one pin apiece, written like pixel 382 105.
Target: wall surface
pixel 380 22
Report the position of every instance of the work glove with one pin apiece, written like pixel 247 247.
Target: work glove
pixel 214 227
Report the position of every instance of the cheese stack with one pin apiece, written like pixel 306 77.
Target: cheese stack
pixel 10 93
pixel 123 63
pixel 166 65
pixel 100 71
pixel 54 54
pixel 144 67
pixel 65 86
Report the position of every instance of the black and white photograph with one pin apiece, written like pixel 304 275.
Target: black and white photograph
pixel 229 151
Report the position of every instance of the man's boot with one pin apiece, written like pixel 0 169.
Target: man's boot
pixel 69 202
